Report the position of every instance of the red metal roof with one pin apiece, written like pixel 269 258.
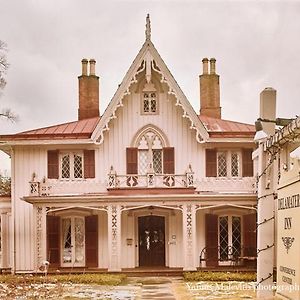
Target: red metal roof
pixel 224 128
pixel 72 130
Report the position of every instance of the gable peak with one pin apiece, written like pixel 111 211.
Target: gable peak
pixel 148 28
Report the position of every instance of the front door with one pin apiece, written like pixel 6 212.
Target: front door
pixel 73 250
pixel 151 241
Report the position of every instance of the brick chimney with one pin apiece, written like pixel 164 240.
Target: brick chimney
pixel 210 90
pixel 88 91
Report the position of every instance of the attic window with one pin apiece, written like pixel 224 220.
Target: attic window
pixel 150 103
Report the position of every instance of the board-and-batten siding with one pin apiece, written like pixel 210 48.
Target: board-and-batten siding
pixel 129 121
pixel 26 161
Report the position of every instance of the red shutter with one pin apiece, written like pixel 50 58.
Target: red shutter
pixel 53 240
pixel 211 240
pixel 169 160
pixel 53 164
pixel 247 162
pixel 249 236
pixel 211 162
pixel 89 163
pixel 132 157
pixel 91 241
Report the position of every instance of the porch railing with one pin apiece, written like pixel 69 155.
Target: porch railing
pixel 227 184
pixel 214 256
pixel 150 180
pixel 52 187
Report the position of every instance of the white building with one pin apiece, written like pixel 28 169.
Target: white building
pixel 148 183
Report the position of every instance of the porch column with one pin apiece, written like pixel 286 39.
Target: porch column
pixel 189 237
pixel 114 238
pixel 40 236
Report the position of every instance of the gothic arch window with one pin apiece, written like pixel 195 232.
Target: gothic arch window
pixel 150 154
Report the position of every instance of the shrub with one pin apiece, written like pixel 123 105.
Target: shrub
pixel 219 276
pixel 100 279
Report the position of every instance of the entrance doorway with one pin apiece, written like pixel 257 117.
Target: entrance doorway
pixel 151 241
pixel 73 248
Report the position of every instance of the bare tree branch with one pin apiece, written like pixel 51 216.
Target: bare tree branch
pixel 8 114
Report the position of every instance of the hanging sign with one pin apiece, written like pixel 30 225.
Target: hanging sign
pixel 288 233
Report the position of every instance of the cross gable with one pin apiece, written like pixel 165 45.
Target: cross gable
pixel 148 62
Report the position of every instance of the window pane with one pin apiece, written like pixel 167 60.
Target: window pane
pixel 67 243
pixel 234 165
pixel 222 164
pixel 157 161
pixel 146 103
pixel 77 166
pixel 143 162
pixel 79 240
pixel 236 236
pixel 65 166
pixel 223 237
pixel 153 102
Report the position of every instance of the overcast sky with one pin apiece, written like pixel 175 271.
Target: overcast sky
pixel 256 44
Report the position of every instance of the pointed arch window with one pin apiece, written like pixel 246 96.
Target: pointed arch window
pixel 150 155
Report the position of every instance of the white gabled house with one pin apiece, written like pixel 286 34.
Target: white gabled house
pixel 150 183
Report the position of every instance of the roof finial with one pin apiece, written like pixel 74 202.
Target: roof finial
pixel 148 28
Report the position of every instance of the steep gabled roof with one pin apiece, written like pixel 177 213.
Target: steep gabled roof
pixel 225 128
pixel 147 55
pixel 72 130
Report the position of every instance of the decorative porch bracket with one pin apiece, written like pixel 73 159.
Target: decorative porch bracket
pixel 189 237
pixel 114 238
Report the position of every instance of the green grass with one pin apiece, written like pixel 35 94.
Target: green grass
pixel 100 279
pixel 219 276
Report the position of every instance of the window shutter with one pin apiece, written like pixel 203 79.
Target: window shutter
pixel 247 163
pixel 169 160
pixel 132 158
pixel 211 162
pixel 89 163
pixel 249 235
pixel 91 241
pixel 53 164
pixel 211 239
pixel 53 240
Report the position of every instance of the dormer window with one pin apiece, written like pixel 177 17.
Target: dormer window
pixel 149 103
